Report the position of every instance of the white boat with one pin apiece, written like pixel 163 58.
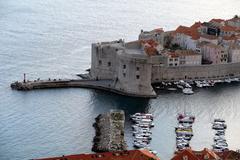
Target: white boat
pixel 180 86
pixel 228 80
pixel 187 91
pixel 219 120
pixel 235 79
pixel 172 89
pixel 140 145
pixel 186 115
pixel 219 126
pixel 138 137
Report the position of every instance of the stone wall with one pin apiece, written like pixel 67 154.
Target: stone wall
pixel 109 129
pixel 134 74
pixel 200 72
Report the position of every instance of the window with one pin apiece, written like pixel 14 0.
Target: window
pixel 116 49
pixel 109 64
pixel 175 64
pixel 124 74
pixel 170 64
pixel 124 66
pixel 170 59
pixel 137 76
pixel 175 59
pixel 100 62
pixel 137 68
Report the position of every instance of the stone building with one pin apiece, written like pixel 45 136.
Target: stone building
pixel 134 66
pixel 214 54
pixel 234 53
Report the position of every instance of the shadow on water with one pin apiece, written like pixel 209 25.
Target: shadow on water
pixel 104 101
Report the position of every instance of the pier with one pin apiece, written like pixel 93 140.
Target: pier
pixel 106 85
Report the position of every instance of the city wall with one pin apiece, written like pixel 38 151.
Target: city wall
pixel 201 72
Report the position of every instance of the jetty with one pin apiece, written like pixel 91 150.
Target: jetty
pixel 109 129
pixel 105 85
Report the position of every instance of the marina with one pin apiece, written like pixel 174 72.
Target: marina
pixel 143 122
pixel 184 132
pixel 220 143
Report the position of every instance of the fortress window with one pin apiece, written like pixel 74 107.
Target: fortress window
pixel 124 66
pixel 137 76
pixel 109 64
pixel 137 68
pixel 100 62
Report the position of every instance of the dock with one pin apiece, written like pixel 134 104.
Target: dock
pixel 105 85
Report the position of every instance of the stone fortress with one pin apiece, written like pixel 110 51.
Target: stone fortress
pixel 203 51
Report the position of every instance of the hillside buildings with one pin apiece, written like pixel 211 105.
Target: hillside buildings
pixel 207 50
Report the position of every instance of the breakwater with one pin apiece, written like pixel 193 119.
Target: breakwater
pixel 109 129
pixel 106 85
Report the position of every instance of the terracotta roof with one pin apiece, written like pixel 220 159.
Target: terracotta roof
pixel 186 53
pixel 124 155
pixel 187 152
pixel 158 30
pixel 183 29
pixel 228 28
pixel 217 20
pixel 190 31
pixel 196 155
pixel 227 155
pixel 234 19
pixel 196 25
pixel 230 38
pixel 150 47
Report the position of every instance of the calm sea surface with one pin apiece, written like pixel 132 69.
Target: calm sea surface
pixel 52 38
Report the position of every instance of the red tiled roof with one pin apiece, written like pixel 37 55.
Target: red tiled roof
pixel 227 155
pixel 196 25
pixel 230 38
pixel 187 152
pixel 234 19
pixel 150 47
pixel 228 28
pixel 196 155
pixel 158 30
pixel 124 155
pixel 183 29
pixel 190 31
pixel 217 20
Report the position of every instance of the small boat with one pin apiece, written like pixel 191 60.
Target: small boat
pixel 172 89
pixel 187 91
pixel 219 120
pixel 180 86
pixel 228 80
pixel 140 145
pixel 219 126
pixel 185 118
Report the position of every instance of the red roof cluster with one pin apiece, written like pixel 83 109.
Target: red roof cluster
pixel 150 47
pixel 217 20
pixel 206 154
pixel 227 28
pixel 121 155
pixel 190 31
